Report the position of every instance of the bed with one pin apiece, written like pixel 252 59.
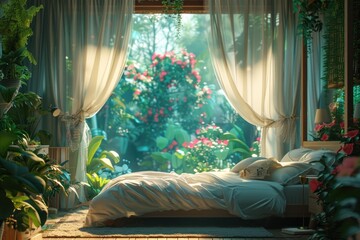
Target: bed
pixel 255 188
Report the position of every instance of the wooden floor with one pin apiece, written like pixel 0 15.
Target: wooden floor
pixel 175 238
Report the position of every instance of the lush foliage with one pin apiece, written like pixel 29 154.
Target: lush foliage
pixel 309 16
pixel 97 160
pixel 171 89
pixel 207 151
pixel 338 190
pixel 22 183
pixel 15 30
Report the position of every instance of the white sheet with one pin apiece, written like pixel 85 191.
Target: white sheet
pixel 138 193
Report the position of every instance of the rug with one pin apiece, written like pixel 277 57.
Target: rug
pixel 71 225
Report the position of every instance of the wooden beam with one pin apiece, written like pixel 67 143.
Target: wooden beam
pixel 155 6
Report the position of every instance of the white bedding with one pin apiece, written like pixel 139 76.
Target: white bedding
pixel 138 193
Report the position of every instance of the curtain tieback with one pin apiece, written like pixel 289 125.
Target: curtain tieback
pixel 74 127
pixel 286 125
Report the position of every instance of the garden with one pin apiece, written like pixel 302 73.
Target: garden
pixel 168 112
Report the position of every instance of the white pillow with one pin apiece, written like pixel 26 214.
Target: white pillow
pixel 260 169
pixel 244 163
pixel 290 173
pixel 314 157
pixel 295 154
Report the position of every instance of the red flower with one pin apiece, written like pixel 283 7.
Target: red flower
pixel 314 184
pixel 330 124
pixel 324 137
pixel 348 148
pixel 351 134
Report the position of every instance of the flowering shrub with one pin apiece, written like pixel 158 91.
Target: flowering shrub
pixel 351 143
pixel 338 189
pixel 171 88
pixel 207 151
pixel 328 131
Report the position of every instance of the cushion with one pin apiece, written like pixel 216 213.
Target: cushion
pixel 290 172
pixel 295 154
pixel 313 158
pixel 244 163
pixel 260 169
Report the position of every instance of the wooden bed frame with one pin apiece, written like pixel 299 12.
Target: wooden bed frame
pixel 292 211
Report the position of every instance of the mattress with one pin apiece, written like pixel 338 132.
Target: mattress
pixel 297 194
pixel 139 193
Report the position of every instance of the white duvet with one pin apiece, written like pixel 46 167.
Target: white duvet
pixel 138 193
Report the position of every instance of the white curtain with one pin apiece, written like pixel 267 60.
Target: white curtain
pixel 256 53
pixel 81 48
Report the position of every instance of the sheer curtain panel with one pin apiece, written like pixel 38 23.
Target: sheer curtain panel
pixel 81 48
pixel 256 53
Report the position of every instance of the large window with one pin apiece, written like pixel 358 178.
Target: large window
pixel 168 112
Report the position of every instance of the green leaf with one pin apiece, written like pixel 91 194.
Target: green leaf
pixel 161 156
pixel 7 93
pixel 93 147
pixel 182 136
pixel 170 131
pixel 161 142
pixel 7 206
pixel 243 152
pixel 114 156
pixel 99 163
pixel 176 162
pixel 34 183
pixel 6 139
pixel 221 154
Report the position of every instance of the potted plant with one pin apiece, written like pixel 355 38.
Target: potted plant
pixel 20 189
pixel 15 30
pixel 26 113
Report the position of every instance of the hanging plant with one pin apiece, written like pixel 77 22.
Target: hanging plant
pixel 309 16
pixel 174 8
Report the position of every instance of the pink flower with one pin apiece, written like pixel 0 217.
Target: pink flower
pixel 137 92
pixel 324 137
pixel 318 127
pixel 198 131
pixel 161 111
pixel 162 75
pixel 348 166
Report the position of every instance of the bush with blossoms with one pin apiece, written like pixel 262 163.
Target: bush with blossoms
pixel 328 131
pixel 338 190
pixel 212 149
pixel 170 89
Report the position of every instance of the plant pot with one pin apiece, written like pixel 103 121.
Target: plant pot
pixel 13 234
